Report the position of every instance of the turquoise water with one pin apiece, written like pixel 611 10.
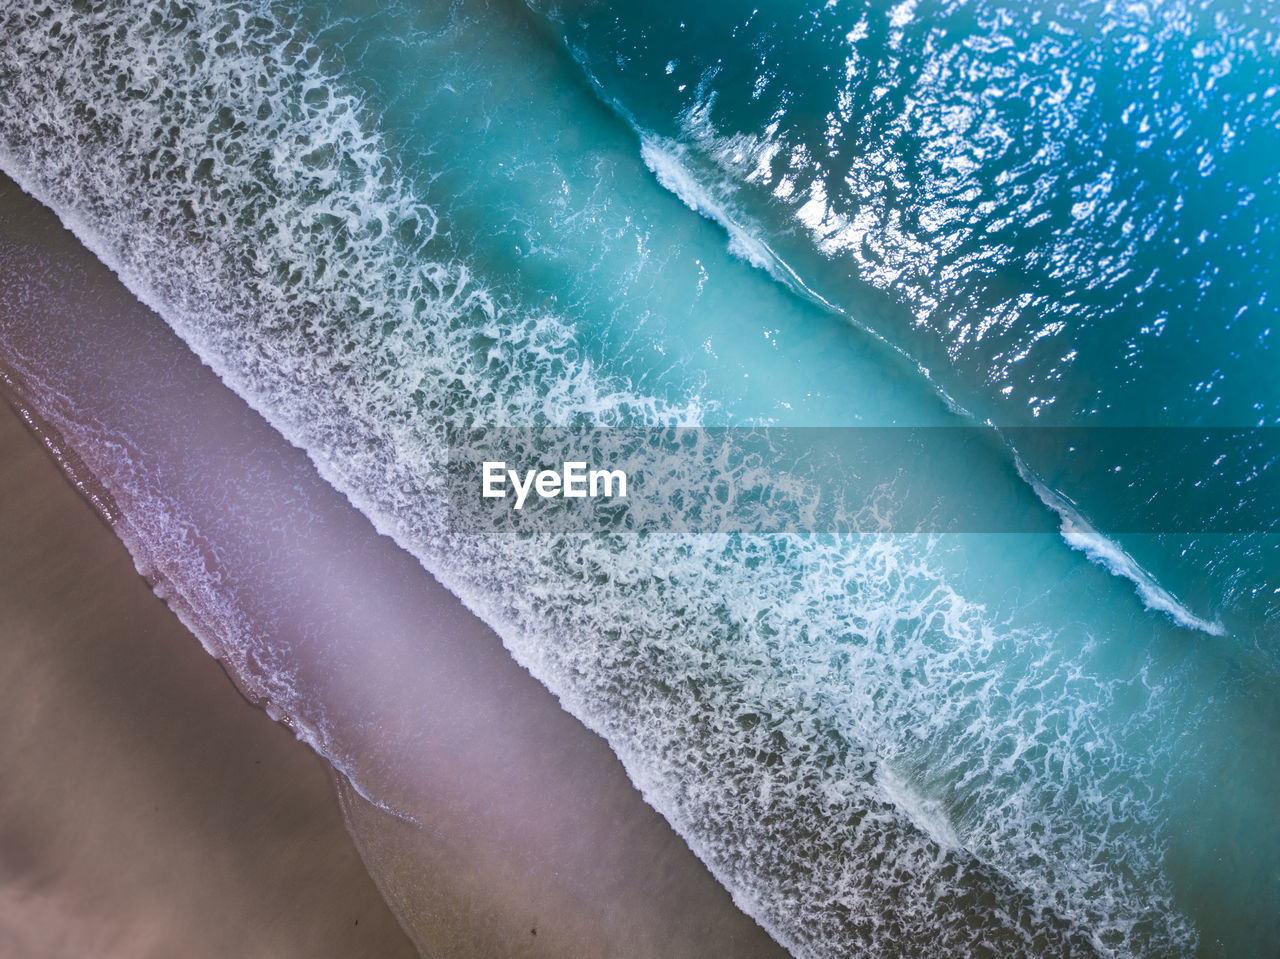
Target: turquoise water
pixel 1065 211
pixel 376 222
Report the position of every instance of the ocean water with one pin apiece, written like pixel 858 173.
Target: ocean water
pixel 379 223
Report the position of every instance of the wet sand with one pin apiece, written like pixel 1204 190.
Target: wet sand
pixel 530 840
pixel 146 808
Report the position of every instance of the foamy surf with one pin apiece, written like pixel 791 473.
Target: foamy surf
pixel 669 161
pixel 1080 535
pixel 664 160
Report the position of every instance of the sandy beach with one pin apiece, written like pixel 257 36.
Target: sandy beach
pixel 529 838
pixel 146 808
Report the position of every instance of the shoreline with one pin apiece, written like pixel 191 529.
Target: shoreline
pixel 147 808
pixel 533 840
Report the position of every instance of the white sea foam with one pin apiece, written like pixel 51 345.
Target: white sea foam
pixel 787 703
pixel 1080 535
pixel 664 161
pixel 928 814
pixel 669 160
